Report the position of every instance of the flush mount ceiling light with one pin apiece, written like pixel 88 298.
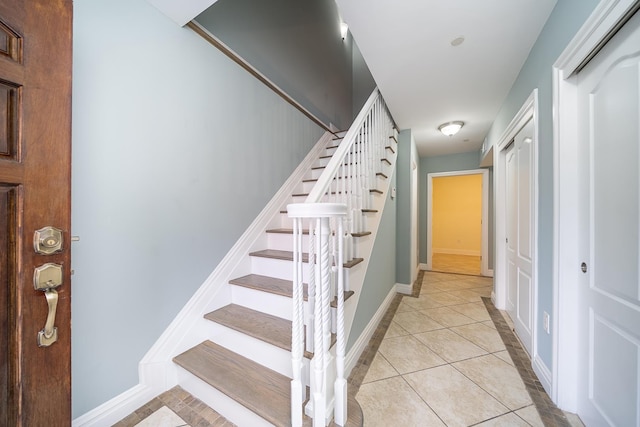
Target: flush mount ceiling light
pixel 457 41
pixel 450 128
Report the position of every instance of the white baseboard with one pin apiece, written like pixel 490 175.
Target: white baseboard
pixel 543 372
pixel 117 408
pixel 490 272
pixel 456 251
pixel 364 338
pixel 424 266
pixel 403 288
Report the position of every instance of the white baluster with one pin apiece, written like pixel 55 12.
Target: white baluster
pixel 319 386
pixel 311 289
pixel 340 387
pixel 297 388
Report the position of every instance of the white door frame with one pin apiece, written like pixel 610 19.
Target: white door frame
pixel 415 232
pixel 566 265
pixel 484 269
pixel 528 111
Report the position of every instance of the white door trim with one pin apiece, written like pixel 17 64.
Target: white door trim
pixel 484 266
pixel 602 21
pixel 528 111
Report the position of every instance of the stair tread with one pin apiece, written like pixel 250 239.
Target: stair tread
pixel 276 286
pixel 271 329
pixel 288 256
pixel 268 284
pixel 263 391
pixel 257 388
pixel 290 231
pixel 316 179
pixel 284 231
pixel 265 327
pixel 373 190
pixel 361 234
pixel 278 254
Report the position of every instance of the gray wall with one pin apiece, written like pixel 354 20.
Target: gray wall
pixel 448 163
pixel 565 20
pixel 297 45
pixel 363 83
pixel 175 151
pixel 381 274
pixel 404 262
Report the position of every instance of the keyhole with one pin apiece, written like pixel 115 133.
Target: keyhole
pixel 583 267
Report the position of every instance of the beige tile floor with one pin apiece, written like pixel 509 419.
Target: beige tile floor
pixel 442 363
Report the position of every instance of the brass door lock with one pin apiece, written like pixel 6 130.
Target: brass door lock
pixel 47 240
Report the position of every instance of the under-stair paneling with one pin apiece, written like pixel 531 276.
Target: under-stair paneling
pixel 176 150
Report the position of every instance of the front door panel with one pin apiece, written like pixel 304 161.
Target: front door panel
pixel 35 153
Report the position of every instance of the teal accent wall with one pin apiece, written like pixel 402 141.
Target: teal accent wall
pixel 404 263
pixel 563 23
pixel 176 150
pixel 381 273
pixel 298 46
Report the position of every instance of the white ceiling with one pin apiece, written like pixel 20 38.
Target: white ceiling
pixel 425 80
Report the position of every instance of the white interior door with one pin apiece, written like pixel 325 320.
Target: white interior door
pixel 609 229
pixel 519 199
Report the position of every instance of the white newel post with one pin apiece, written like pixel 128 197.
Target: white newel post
pixel 323 366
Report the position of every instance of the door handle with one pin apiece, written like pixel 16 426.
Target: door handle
pixel 47 278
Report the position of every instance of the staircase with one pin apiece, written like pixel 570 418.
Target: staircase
pixel 240 361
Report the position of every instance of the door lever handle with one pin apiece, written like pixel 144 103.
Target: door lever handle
pixel 49 334
pixel 46 278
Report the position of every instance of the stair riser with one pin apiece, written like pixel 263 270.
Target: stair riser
pixel 276 305
pixel 223 404
pixel 284 242
pixel 279 269
pixel 330 151
pixel 315 173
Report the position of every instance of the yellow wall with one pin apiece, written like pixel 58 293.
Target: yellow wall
pixel 457 214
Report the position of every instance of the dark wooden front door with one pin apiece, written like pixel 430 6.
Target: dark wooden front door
pixel 35 159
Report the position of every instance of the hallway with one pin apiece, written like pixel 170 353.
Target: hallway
pixel 442 362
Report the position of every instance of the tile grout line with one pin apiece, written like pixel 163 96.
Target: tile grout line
pixel 549 413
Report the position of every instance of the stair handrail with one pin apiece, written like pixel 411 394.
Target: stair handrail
pixel 324 181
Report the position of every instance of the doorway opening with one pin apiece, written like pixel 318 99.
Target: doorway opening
pixel 457 225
